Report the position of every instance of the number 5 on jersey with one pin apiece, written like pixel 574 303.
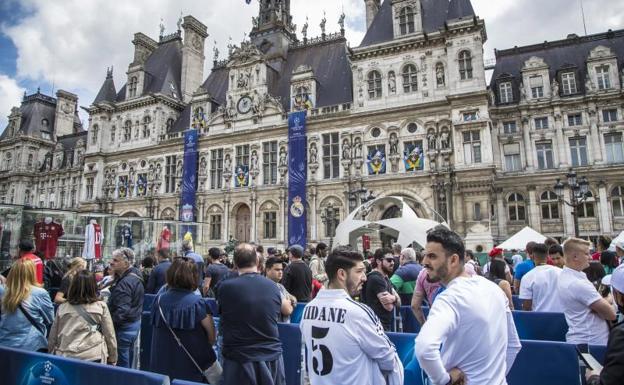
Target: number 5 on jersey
pixel 325 353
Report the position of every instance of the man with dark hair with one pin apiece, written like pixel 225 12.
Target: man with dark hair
pixel 468 307
pixel 215 271
pixel 298 276
pixel 396 254
pixel 555 253
pixel 378 292
pixel 25 252
pixel 524 267
pixel 249 305
pixel 538 288
pixel 317 263
pixel 158 278
pixel 274 268
pixel 344 335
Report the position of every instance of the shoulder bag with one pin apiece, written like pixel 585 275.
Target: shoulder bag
pixel 93 324
pixel 41 328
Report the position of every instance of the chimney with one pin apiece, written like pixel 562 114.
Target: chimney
pixel 195 34
pixel 143 48
pixel 372 7
pixel 66 103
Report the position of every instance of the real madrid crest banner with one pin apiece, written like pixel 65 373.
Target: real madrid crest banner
pixel 297 178
pixel 189 177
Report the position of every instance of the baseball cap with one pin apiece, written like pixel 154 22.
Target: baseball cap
pixel 296 251
pixel 617 280
pixel 495 251
pixel 619 245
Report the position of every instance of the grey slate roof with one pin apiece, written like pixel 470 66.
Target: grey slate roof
pixel 568 53
pixel 69 146
pixel 107 92
pixel 34 109
pixel 435 13
pixel 184 120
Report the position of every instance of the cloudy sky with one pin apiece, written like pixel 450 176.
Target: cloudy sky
pixel 69 44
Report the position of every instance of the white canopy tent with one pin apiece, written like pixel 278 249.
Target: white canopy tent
pixel 519 240
pixel 406 229
pixel 619 238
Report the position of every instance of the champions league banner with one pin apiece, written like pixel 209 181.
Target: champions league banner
pixel 297 178
pixel 189 180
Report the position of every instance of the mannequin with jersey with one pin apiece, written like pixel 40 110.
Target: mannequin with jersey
pixel 93 243
pixel 164 239
pixel 47 232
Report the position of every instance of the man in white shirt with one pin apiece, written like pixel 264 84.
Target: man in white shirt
pixel 585 310
pixel 345 342
pixel 538 288
pixel 470 306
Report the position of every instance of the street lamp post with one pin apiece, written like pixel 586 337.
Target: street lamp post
pixel 330 220
pixel 579 189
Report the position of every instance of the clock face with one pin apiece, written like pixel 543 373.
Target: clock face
pixel 244 104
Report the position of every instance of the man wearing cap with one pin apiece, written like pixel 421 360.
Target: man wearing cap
pixel 613 370
pixel 619 250
pixel 297 275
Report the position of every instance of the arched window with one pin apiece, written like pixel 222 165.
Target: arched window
pixel 586 209
pixel 94 134
pixel 132 87
pixel 465 65
pixel 406 20
pixel 113 134
pixel 374 85
pixel 550 205
pixel 617 201
pixel 476 212
pixel 127 134
pixel 410 78
pixel 515 205
pixel 145 129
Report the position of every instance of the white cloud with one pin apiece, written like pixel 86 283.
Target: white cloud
pixel 10 96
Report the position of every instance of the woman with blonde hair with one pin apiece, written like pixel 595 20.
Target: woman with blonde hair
pixel 26 309
pixel 75 265
pixel 83 327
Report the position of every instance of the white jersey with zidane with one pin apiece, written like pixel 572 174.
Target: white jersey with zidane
pixel 345 343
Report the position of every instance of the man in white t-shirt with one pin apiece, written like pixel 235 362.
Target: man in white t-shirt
pixel 585 310
pixel 345 342
pixel 538 288
pixel 446 347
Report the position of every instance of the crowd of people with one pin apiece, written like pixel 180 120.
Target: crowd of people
pixel 467 337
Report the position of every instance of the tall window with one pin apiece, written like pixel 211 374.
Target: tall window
pixel 127 134
pixel 145 131
pixel 510 127
pixel 72 198
pixel 506 92
pixel 476 212
pixel 541 123
pixel 614 147
pixel 215 227
pixel 169 124
pixel 242 155
pixel 586 209
pixel 609 115
pixel 578 150
pixel 216 168
pixel 331 156
pixel 374 85
pixel 568 83
pixel 132 86
pixel 472 147
pixel 550 205
pixel 269 162
pixel 602 77
pixel 617 201
pixel 575 120
pixel 544 155
pixel 465 65
pixel 516 208
pixel 270 225
pixel 410 78
pixel 170 174
pixel 406 20
pixel 113 133
pixel 537 86
pixel 94 134
pixel 62 199
pixel 89 189
pixel 512 157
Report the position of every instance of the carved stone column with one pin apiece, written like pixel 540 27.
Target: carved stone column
pixel 528 145
pixel 254 215
pixel 312 213
pixel 603 209
pixel 226 218
pixel 564 156
pixel 594 137
pixel 533 210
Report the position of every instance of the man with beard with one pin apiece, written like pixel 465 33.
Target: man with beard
pixel 378 292
pixel 469 306
pixel 345 341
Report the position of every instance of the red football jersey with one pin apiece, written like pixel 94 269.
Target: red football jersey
pixel 97 231
pixel 46 238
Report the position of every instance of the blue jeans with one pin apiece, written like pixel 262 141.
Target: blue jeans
pixel 126 336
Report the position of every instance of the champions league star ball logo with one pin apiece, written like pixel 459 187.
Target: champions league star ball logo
pixel 297 209
pixel 44 373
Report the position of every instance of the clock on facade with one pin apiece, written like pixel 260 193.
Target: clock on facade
pixel 244 105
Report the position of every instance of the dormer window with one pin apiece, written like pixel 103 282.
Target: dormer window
pixel 374 85
pixel 132 87
pixel 406 20
pixel 465 65
pixel 410 78
pixel 506 92
pixel 568 83
pixel 45 123
pixel 602 77
pixel 537 86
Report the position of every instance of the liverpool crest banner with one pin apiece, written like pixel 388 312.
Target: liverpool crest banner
pixel 297 178
pixel 189 180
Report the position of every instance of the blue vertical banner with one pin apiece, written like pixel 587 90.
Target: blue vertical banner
pixel 297 178
pixel 189 180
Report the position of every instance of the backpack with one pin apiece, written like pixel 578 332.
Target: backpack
pixel 53 273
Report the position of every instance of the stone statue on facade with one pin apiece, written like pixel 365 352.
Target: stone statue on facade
pixel 341 21
pixel 440 74
pixel 391 82
pixel 179 169
pixel 215 52
pixel 304 30
pixel 589 85
pixel 255 21
pixel 555 88
pixel 523 93
pixel 357 148
pixel 323 23
pixel 445 140
pixel 283 159
pixel 394 144
pixel 254 161
pixel 313 154
pixel 346 150
pixel 203 165
pixel 227 164
pixel 431 139
pixel 257 103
